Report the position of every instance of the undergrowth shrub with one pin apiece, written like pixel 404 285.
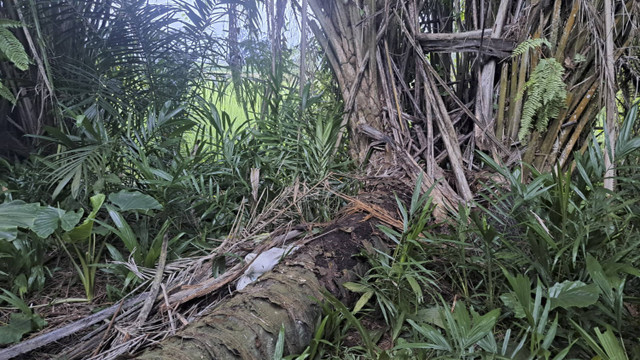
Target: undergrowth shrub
pixel 202 186
pixel 539 269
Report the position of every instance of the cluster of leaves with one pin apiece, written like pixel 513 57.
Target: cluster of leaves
pixel 530 44
pixel 545 269
pixel 11 49
pixel 141 152
pixel 546 94
pixel 545 90
pixel 29 230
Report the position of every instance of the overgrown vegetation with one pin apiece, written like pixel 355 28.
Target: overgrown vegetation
pixel 547 269
pixel 116 172
pixel 126 125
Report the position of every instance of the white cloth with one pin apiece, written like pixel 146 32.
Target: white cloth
pixel 265 262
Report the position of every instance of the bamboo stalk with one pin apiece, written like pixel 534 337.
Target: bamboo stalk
pixel 513 93
pixel 449 138
pixel 517 110
pixel 502 98
pixel 610 96
pixel 567 31
pixel 555 24
pixel 373 43
pixel 303 45
pixel 568 148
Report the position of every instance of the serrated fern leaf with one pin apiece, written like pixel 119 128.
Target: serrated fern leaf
pixel 5 93
pixel 6 23
pixel 11 47
pixel 546 94
pixel 528 45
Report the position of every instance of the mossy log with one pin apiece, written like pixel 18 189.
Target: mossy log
pixel 246 326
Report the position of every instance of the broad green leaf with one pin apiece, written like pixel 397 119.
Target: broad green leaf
pixel 564 352
pixel 488 343
pixel 511 301
pixel 355 287
pixel 19 325
pixel 364 299
pixel 84 230
pixel 70 219
pixel 65 180
pixel 162 174
pixel 551 334
pixel 419 346
pixel 482 326
pixel 278 353
pixel 79 233
pixel 116 255
pixel 14 215
pixel 13 300
pixel 611 345
pixel 598 276
pixel 96 204
pixel 435 338
pixel 456 326
pixel 18 213
pixel 77 181
pixel 124 232
pixel 20 283
pixel 573 294
pixel 47 221
pixel 589 340
pixel 417 290
pixel 134 200
pixel 431 315
pixel 521 289
pixel 154 250
pixel 8 232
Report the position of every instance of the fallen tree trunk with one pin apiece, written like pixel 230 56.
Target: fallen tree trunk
pixel 247 325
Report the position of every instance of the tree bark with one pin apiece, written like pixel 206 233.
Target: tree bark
pixel 610 98
pixel 347 46
pixel 484 98
pixel 247 325
pixel 367 83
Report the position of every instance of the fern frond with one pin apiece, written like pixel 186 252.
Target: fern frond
pixel 6 93
pixel 11 47
pixel 546 94
pixel 6 23
pixel 528 45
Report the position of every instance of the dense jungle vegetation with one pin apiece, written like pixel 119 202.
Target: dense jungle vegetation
pixel 139 135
